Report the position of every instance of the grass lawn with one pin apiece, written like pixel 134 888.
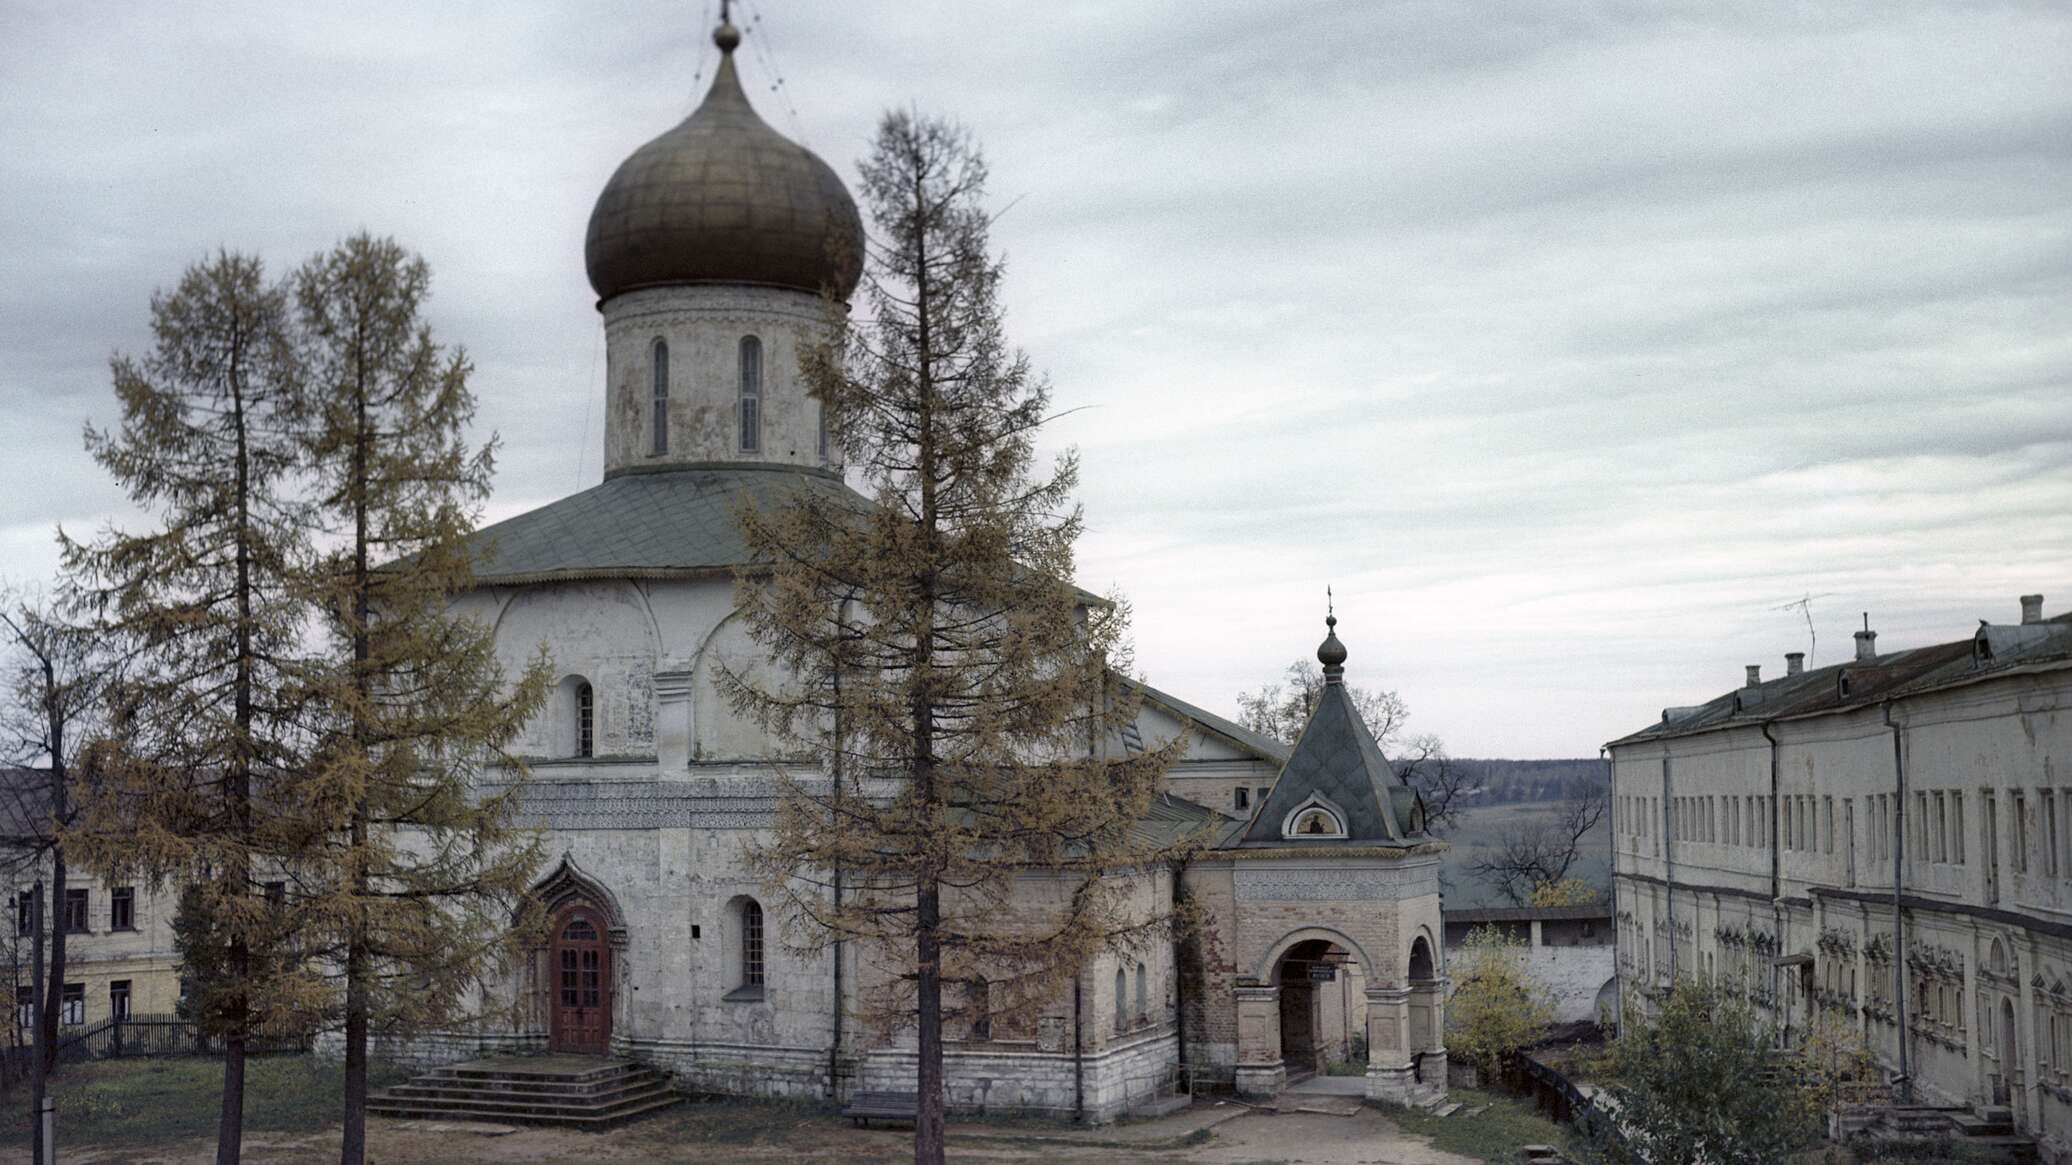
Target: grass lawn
pixel 129 1102
pixel 164 1111
pixel 1493 1134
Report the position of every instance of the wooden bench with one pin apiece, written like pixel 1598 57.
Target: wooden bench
pixel 865 1107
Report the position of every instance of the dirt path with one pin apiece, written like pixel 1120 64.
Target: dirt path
pixel 700 1134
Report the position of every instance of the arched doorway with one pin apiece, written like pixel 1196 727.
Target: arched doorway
pixel 1424 998
pixel 2010 1059
pixel 1301 971
pixel 1420 960
pixel 580 961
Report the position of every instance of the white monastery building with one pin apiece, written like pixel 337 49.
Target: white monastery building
pixel 710 250
pixel 1886 841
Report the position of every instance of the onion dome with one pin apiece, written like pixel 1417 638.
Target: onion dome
pixel 1331 653
pixel 723 198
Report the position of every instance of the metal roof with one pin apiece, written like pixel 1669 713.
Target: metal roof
pixel 723 198
pixel 1337 760
pixel 1264 747
pixel 1170 818
pixel 1993 650
pixel 681 521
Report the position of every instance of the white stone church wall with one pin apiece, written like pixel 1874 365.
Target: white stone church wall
pixel 1128 1074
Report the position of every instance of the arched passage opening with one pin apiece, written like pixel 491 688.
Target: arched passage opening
pixel 1302 974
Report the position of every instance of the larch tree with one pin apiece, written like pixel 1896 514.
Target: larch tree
pixel 933 655
pixel 412 879
pixel 206 735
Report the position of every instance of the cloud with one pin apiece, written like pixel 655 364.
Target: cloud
pixel 1566 342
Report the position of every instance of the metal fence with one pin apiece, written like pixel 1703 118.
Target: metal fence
pixel 136 1035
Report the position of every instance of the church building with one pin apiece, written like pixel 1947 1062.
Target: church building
pixel 710 250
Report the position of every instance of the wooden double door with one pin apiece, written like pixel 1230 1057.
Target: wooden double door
pixel 580 960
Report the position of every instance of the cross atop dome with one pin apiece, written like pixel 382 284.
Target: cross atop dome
pixel 1331 653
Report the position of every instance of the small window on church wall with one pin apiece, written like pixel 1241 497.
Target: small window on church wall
pixel 1244 798
pixel 1143 999
pixel 585 720
pixel 751 394
pixel 824 456
pixel 661 397
pixel 1122 1001
pixel 751 944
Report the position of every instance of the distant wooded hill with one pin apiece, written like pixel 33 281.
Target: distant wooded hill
pixel 1496 782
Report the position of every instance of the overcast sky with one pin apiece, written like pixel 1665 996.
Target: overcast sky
pixel 1567 342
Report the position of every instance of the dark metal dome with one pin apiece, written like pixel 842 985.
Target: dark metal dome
pixel 723 198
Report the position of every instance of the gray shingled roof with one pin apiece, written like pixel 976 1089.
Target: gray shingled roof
pixel 635 525
pixel 1337 759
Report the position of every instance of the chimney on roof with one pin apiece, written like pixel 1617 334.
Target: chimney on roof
pixel 2032 608
pixel 1866 645
pixel 1755 675
pixel 1794 662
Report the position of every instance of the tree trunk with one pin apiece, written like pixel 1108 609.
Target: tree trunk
pixel 39 1071
pixel 54 982
pixel 230 1121
pixel 230 1125
pixel 53 1001
pixel 353 1148
pixel 928 1109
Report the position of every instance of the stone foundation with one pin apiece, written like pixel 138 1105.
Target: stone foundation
pixel 1003 1077
pixel 735 1069
pixel 1018 1078
pixel 437 1049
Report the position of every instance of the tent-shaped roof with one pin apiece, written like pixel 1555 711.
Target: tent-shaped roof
pixel 1337 766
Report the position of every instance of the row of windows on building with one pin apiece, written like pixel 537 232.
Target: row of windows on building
pixel 748 398
pixel 76 915
pixel 1936 831
pixel 72 1004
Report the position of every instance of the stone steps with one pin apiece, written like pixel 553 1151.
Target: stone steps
pixel 558 1090
pixel 1987 1135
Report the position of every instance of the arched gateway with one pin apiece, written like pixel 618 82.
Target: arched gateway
pixel 1334 887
